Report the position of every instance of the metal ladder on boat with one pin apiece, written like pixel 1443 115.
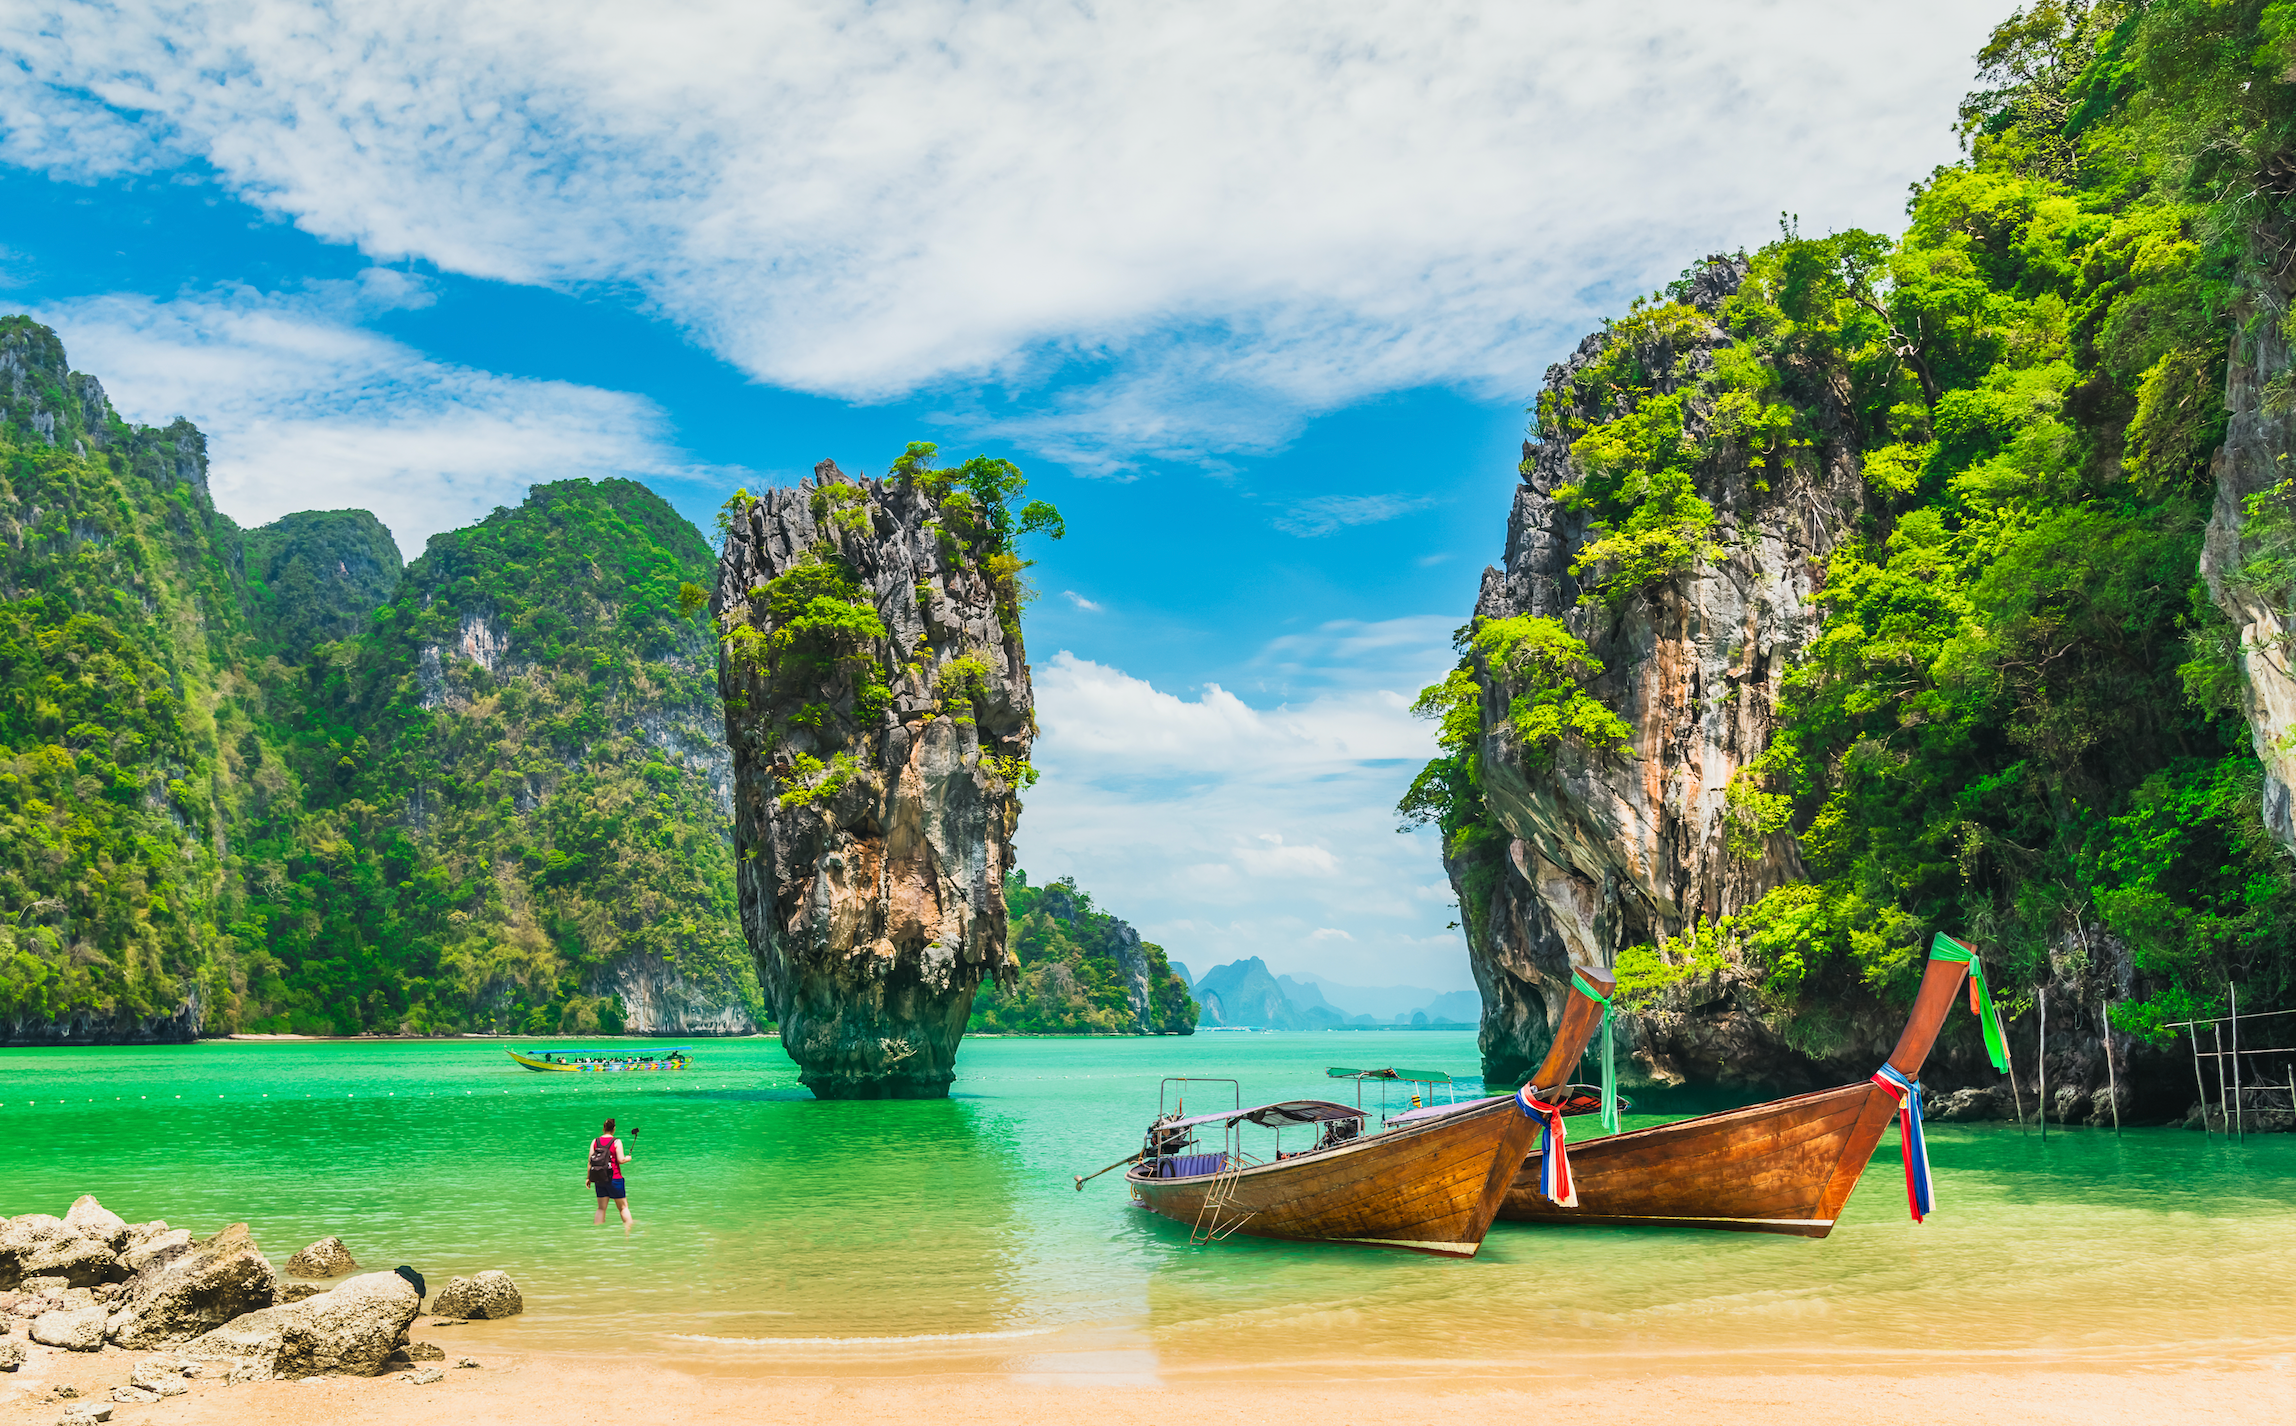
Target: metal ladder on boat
pixel 1214 1218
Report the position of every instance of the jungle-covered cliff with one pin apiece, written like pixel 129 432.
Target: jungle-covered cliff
pixel 1080 971
pixel 1855 589
pixel 267 780
pixel 878 704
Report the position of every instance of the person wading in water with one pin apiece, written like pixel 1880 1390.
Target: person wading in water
pixel 606 1159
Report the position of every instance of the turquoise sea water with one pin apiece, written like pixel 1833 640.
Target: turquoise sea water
pixel 783 1233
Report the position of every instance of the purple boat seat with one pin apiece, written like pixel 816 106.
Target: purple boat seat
pixel 1190 1165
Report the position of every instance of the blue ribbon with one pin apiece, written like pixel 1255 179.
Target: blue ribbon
pixel 1919 1199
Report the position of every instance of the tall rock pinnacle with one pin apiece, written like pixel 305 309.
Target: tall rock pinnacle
pixel 879 711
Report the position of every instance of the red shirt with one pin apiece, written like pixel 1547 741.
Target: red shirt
pixel 613 1152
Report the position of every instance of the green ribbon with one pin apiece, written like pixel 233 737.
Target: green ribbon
pixel 1609 1062
pixel 1945 948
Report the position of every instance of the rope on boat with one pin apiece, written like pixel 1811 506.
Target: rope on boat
pixel 1919 1199
pixel 1609 1061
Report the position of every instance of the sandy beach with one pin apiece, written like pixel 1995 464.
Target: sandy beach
pixel 574 1391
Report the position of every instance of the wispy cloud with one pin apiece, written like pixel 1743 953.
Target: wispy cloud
pixel 1081 602
pixel 303 408
pixel 1225 829
pixel 1322 514
pixel 1177 228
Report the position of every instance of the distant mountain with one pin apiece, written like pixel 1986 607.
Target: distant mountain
pixel 1390 1004
pixel 1245 993
pixel 1182 972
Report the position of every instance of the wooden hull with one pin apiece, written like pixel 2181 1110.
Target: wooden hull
pixel 1431 1188
pixel 540 1064
pixel 1783 1167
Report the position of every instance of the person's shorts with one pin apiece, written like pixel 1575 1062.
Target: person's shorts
pixel 613 1189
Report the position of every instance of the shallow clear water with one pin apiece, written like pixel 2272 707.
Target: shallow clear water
pixel 781 1233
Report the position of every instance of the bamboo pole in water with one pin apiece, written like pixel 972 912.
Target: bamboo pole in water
pixel 2239 1128
pixel 2016 1097
pixel 2112 1081
pixel 2199 1085
pixel 2222 1107
pixel 2041 1053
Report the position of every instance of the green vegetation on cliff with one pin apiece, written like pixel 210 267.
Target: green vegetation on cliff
pixel 2013 721
pixel 268 769
pixel 1082 971
pixel 512 784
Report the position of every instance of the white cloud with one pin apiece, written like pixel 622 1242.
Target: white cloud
pixel 304 410
pixel 1322 514
pixel 1223 829
pixel 1082 603
pixel 1222 215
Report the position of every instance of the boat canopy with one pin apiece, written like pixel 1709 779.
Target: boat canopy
pixel 1273 1116
pixel 609 1054
pixel 1415 1076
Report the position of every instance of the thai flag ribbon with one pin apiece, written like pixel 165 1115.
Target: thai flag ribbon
pixel 1554 1163
pixel 1918 1198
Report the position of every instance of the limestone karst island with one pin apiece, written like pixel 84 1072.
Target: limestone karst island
pixel 984 712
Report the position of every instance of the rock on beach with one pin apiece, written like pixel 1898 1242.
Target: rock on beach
pixel 323 1259
pixel 489 1295
pixel 346 1331
pixel 43 1245
pixel 207 1285
pixel 76 1331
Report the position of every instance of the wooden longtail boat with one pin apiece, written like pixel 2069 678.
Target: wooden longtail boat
pixel 597 1061
pixel 1429 1182
pixel 1783 1167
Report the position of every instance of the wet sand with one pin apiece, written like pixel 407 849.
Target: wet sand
pixel 565 1390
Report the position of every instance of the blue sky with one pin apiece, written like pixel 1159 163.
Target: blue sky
pixel 1257 294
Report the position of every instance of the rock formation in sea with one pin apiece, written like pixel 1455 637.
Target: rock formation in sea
pixel 1605 851
pixel 878 706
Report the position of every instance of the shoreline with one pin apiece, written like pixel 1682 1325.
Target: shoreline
pixel 510 1384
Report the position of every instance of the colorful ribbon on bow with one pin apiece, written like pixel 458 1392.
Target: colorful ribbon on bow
pixel 1554 1163
pixel 1945 948
pixel 1609 1063
pixel 1918 1198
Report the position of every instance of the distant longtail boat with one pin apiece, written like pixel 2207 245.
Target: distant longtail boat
pixel 1783 1167
pixel 1429 1182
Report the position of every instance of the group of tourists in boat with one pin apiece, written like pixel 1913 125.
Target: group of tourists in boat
pixel 1433 1177
pixel 599 1061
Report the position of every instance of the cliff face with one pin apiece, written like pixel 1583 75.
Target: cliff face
pixel 119 619
pixel 534 738
pixel 878 706
pixel 234 795
pixel 1081 971
pixel 2260 436
pixel 1609 852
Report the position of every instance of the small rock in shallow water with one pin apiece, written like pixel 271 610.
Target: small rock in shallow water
pixel 490 1295
pixel 325 1258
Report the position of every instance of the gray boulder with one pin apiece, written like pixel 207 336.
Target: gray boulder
pixel 81 1331
pixel 349 1330
pixel 42 1245
pixel 214 1281
pixel 1964 1105
pixel 91 1219
pixel 151 1244
pixel 325 1258
pixel 490 1294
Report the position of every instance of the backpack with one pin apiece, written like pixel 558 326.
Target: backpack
pixel 602 1164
